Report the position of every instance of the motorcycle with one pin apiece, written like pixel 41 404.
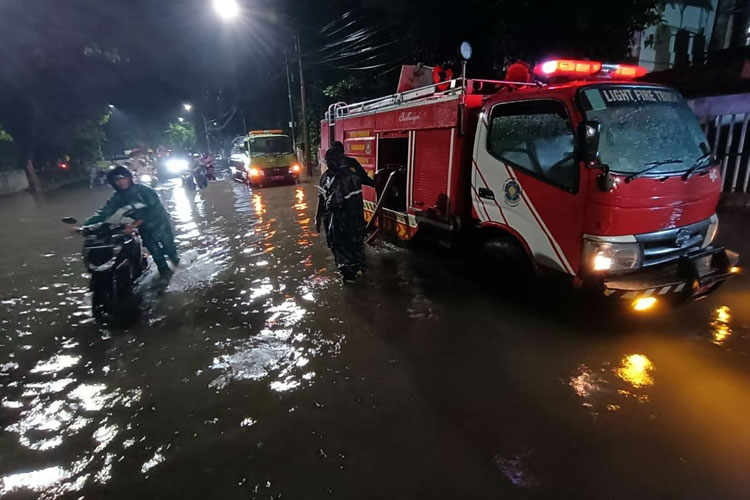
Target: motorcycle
pixel 188 182
pixel 115 261
pixel 210 171
pixel 196 176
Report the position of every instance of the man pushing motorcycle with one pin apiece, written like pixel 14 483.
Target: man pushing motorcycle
pixel 142 204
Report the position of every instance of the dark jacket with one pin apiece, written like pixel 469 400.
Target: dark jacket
pixel 364 179
pixel 342 204
pixel 140 203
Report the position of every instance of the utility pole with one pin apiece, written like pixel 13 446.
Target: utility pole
pixel 303 102
pixel 291 106
pixel 244 125
pixel 205 127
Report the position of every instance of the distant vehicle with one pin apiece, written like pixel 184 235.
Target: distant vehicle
pixel 264 157
pixel 115 261
pixel 174 165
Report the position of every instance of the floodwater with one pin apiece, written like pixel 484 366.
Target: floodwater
pixel 257 374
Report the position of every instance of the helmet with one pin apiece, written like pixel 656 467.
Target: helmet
pixel 117 172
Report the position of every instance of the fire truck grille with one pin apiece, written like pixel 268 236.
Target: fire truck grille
pixel 274 171
pixel 667 245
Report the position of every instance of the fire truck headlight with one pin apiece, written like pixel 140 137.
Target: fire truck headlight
pixel 255 172
pixel 604 256
pixel 713 228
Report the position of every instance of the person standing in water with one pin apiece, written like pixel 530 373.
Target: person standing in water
pixel 341 213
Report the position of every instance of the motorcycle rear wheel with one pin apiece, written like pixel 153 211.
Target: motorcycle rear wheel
pixel 101 299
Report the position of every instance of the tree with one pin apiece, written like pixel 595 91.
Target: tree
pixel 180 136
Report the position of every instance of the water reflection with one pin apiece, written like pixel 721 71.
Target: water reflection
pixel 636 369
pixel 600 391
pixel 258 206
pixel 79 408
pixel 182 206
pixel 720 330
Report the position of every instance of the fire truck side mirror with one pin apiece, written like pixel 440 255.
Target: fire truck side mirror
pixel 588 136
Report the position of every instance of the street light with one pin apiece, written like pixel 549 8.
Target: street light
pixel 181 119
pixel 188 107
pixel 227 9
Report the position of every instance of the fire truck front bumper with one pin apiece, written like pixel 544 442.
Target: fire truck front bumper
pixel 690 277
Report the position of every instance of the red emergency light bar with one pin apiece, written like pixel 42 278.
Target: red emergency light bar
pixel 581 69
pixel 624 70
pixel 567 67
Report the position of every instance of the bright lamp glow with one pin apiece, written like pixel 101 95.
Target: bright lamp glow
pixel 644 303
pixel 227 9
pixel 188 107
pixel 606 256
pixel 254 172
pixel 295 169
pixel 602 263
pixel 177 165
pixel 549 67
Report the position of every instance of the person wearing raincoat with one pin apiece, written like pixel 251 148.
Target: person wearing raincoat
pixel 341 213
pixel 338 148
pixel 142 204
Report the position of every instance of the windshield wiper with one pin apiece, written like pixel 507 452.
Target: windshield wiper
pixel 698 165
pixel 651 166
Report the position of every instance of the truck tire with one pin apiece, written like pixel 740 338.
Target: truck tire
pixel 503 262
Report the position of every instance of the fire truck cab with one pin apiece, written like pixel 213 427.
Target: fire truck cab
pixel 582 170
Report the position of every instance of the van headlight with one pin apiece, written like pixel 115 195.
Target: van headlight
pixel 713 228
pixel 605 256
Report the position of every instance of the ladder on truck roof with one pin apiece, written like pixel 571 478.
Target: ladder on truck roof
pixel 431 92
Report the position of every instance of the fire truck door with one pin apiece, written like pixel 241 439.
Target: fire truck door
pixel 525 177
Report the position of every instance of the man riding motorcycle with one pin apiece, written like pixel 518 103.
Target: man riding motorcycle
pixel 142 204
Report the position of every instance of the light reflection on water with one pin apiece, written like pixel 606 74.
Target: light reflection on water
pixel 255 330
pixel 600 391
pixel 720 329
pixel 636 369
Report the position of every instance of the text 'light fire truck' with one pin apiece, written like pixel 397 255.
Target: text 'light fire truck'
pixel 577 168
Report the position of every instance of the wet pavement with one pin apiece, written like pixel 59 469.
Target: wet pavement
pixel 257 374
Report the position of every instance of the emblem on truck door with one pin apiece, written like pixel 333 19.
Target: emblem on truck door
pixel 512 191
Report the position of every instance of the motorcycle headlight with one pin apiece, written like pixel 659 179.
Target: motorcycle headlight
pixel 713 228
pixel 605 256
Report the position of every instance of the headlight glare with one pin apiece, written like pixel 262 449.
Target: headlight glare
pixel 177 165
pixel 605 256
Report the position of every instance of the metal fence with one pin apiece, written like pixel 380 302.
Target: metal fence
pixel 725 121
pixel 727 135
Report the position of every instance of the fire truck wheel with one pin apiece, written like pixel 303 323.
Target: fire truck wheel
pixel 504 262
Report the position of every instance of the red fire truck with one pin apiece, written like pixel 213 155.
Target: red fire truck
pixel 581 169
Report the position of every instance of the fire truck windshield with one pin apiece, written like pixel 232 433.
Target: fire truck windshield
pixel 644 128
pixel 274 145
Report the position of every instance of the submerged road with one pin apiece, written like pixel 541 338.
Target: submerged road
pixel 257 374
